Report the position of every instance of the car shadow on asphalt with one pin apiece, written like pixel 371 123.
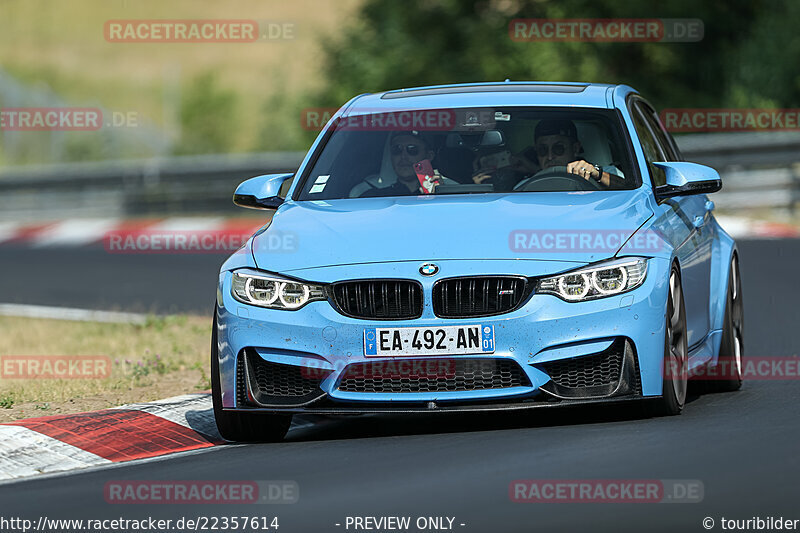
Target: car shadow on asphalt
pixel 380 425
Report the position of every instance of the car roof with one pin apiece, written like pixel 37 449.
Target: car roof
pixel 508 93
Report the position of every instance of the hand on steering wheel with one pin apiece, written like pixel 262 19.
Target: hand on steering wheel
pixel 557 178
pixel 585 170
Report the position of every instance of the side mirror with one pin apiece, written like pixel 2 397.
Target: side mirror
pixel 684 179
pixel 261 192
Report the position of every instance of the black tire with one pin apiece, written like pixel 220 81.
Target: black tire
pixel 728 372
pixel 237 426
pixel 676 353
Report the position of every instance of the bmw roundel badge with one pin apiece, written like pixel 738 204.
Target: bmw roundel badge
pixel 429 269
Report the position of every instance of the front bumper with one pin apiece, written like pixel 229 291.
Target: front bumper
pixel 557 347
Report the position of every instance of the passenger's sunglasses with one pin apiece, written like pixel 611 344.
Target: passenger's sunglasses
pixel 558 149
pixel 410 149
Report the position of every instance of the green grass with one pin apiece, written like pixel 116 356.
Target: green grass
pixel 166 356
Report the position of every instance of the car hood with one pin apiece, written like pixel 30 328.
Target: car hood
pixel 523 226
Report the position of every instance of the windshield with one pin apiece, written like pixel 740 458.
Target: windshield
pixel 471 151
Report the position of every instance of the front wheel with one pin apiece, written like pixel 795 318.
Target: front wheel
pixel 238 426
pixel 676 353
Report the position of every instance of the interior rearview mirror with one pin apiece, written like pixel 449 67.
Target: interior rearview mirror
pixel 475 140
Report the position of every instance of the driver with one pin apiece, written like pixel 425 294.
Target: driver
pixel 557 145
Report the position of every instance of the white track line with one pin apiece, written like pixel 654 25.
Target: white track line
pixel 8 230
pixel 68 313
pixel 188 224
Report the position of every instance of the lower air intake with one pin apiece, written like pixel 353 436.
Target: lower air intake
pixel 275 384
pixel 588 371
pixel 612 372
pixel 432 375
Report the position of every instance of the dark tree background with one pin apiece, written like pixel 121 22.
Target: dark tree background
pixel 749 55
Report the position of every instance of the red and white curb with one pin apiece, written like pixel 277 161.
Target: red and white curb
pixel 62 443
pixel 83 232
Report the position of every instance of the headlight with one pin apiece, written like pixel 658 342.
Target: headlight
pixel 254 288
pixel 606 279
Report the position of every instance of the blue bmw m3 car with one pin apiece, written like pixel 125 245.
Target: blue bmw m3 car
pixel 477 247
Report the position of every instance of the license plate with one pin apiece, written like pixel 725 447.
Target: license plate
pixel 443 340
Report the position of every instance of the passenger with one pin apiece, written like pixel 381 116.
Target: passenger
pixel 405 148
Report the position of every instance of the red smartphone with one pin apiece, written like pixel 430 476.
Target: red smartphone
pixel 425 175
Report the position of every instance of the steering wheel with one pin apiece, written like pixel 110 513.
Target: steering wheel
pixel 556 179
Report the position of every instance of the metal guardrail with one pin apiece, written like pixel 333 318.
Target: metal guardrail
pixel 760 170
pixel 187 185
pixel 725 151
pixel 761 188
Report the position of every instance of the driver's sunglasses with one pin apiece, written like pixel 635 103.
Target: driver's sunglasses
pixel 558 149
pixel 410 149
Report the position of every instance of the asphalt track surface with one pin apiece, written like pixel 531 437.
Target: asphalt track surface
pixel 742 446
pixel 91 278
